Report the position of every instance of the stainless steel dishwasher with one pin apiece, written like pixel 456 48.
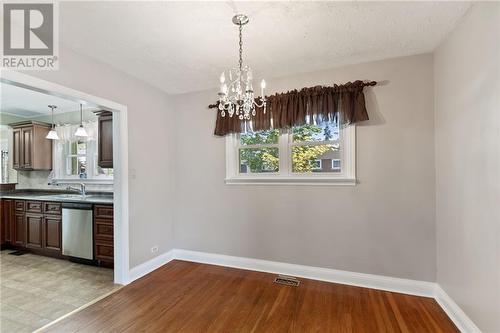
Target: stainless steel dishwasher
pixel 77 230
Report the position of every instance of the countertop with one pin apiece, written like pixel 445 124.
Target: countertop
pixel 58 196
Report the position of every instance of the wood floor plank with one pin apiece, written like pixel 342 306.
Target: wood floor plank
pixel 189 297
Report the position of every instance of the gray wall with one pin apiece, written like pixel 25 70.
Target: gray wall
pixel 385 225
pixel 467 82
pixel 150 145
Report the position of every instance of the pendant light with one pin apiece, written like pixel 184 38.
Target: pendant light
pixel 81 131
pixel 52 135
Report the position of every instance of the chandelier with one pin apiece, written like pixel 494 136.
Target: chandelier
pixel 236 95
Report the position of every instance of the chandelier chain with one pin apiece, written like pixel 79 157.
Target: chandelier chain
pixel 241 47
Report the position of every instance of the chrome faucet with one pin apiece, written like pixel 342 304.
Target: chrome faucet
pixel 82 191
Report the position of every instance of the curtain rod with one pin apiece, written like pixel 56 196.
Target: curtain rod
pixel 358 82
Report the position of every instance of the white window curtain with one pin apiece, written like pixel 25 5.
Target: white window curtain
pixel 66 134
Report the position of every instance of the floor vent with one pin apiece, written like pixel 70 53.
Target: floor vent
pixel 287 280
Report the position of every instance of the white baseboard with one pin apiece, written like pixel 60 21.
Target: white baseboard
pixel 150 265
pixel 456 314
pixel 412 287
pixel 405 286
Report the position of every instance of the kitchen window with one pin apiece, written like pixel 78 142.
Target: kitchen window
pixel 75 158
pixel 306 154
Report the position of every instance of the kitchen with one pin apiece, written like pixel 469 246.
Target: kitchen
pixel 57 203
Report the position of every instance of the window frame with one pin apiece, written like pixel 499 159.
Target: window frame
pixel 285 176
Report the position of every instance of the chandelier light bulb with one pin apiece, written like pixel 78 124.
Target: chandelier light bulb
pixel 263 84
pixel 222 78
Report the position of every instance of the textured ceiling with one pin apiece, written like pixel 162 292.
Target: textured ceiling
pixel 183 46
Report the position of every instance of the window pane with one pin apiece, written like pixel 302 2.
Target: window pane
pixel 262 137
pixel 72 148
pixel 81 148
pixel 259 160
pixel 82 167
pixel 315 158
pixel 71 166
pixel 76 166
pixel 311 133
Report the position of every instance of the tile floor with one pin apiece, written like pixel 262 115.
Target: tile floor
pixel 35 290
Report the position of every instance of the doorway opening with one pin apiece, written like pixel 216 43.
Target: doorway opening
pixel 71 215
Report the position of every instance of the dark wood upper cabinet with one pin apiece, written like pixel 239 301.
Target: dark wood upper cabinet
pixel 16 143
pixel 105 148
pixel 31 150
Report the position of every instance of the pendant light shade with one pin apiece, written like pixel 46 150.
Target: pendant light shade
pixel 52 135
pixel 81 131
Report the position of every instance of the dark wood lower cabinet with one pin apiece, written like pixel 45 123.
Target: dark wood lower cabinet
pixel 37 226
pixel 34 225
pixel 7 223
pixel 52 233
pixel 103 235
pixel 19 232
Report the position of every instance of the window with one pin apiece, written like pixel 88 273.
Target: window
pixel 336 165
pixel 79 161
pixel 306 154
pixel 75 158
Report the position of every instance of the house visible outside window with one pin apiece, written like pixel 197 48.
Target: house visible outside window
pixel 75 158
pixel 310 153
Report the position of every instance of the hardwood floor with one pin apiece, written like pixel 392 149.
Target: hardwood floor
pixel 189 297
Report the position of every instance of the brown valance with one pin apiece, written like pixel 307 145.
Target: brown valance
pixel 345 103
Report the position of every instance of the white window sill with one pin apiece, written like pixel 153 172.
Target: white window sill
pixel 291 181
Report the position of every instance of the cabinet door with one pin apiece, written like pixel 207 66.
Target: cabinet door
pixel 19 232
pixel 105 141
pixel 7 217
pixel 34 230
pixel 3 223
pixel 52 233
pixel 16 148
pixel 27 147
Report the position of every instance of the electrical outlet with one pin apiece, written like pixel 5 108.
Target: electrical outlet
pixel 154 249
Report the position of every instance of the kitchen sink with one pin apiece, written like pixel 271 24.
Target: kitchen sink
pixel 74 196
pixel 68 196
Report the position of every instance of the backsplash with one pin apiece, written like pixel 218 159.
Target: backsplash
pixel 39 180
